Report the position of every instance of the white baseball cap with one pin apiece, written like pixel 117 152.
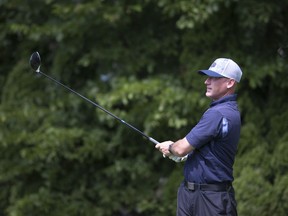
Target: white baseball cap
pixel 223 67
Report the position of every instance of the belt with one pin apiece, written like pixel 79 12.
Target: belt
pixel 208 187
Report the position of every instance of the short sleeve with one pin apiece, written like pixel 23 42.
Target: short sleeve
pixel 207 129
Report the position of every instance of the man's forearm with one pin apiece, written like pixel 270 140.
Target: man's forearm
pixel 180 148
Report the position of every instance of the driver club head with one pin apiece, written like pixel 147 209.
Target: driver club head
pixel 35 61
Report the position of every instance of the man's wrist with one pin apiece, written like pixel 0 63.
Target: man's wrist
pixel 170 149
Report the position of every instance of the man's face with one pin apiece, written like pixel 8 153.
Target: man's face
pixel 216 87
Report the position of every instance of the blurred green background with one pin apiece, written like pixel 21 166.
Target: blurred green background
pixel 60 156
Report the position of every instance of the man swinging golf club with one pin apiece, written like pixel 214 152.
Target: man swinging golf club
pixel 211 147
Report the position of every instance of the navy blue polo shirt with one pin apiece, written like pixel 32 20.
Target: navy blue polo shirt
pixel 215 139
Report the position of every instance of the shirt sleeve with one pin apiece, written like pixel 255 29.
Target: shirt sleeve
pixel 207 129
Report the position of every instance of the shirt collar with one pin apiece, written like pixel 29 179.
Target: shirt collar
pixel 227 98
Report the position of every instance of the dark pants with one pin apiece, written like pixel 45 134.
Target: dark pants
pixel 205 203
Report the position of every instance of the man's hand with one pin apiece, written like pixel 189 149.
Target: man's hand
pixel 164 147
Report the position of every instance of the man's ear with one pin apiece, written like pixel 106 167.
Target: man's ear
pixel 231 83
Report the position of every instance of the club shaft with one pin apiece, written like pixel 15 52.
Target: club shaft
pixel 101 108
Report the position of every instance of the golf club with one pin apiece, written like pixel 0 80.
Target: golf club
pixel 35 63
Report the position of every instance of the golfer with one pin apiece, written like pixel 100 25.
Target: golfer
pixel 211 147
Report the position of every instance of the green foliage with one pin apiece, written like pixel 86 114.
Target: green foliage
pixel 61 156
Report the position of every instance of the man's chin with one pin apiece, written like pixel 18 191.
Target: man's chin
pixel 209 95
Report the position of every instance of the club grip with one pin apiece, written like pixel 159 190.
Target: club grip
pixel 153 140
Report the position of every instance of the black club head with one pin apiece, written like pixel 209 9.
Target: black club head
pixel 35 61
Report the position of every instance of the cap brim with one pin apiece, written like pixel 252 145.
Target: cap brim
pixel 209 73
